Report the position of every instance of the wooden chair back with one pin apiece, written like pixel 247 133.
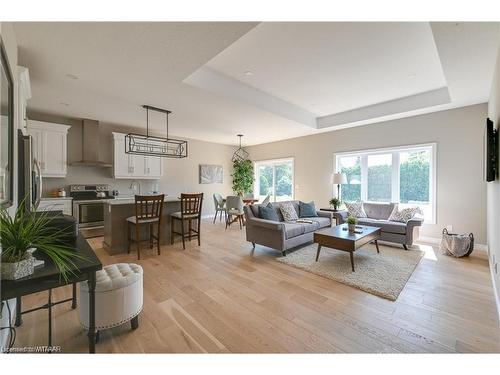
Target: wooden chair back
pixel 191 204
pixel 148 207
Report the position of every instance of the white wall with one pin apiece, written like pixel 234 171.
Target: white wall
pixel 461 191
pixel 494 189
pixel 179 175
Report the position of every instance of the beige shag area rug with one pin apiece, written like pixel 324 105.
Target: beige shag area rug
pixel 383 274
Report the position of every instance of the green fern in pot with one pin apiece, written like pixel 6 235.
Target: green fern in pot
pixel 335 203
pixel 25 231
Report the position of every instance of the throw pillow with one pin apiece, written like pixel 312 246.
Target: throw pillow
pixel 268 212
pixel 355 209
pixel 307 209
pixel 288 211
pixel 404 215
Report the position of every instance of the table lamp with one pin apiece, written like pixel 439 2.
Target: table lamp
pixel 339 179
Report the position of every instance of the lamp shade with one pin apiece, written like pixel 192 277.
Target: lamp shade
pixel 339 178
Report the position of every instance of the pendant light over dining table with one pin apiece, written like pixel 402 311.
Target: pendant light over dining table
pixel 240 154
pixel 148 145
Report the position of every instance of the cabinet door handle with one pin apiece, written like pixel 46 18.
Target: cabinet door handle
pixel 149 171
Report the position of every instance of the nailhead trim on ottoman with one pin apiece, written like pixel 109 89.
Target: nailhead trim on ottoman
pixel 118 295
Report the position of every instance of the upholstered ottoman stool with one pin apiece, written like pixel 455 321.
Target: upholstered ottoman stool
pixel 118 297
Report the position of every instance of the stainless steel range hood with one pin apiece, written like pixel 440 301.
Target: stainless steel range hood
pixel 90 146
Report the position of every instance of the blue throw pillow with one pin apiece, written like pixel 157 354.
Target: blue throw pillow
pixel 268 212
pixel 307 209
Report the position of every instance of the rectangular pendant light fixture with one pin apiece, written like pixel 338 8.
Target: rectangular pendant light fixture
pixel 140 144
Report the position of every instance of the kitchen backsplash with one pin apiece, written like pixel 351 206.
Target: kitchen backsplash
pixel 93 175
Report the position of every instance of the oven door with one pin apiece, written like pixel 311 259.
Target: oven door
pixel 90 214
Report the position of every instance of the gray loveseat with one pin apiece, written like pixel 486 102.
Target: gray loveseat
pixel 392 231
pixel 282 235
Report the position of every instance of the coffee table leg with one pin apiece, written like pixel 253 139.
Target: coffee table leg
pixel 351 253
pixel 317 254
pixel 376 244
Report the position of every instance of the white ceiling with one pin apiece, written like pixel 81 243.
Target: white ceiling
pixel 307 77
pixel 329 68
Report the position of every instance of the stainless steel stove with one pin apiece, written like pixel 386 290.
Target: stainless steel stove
pixel 88 208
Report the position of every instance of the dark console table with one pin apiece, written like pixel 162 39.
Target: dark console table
pixel 48 278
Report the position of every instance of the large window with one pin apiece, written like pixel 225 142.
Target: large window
pixel 274 178
pixel 405 175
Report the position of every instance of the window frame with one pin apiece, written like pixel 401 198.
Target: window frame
pixel 272 162
pixel 395 151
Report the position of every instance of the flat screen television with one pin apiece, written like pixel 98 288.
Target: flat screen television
pixel 491 152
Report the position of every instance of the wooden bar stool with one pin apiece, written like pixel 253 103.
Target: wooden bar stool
pixel 190 210
pixel 148 212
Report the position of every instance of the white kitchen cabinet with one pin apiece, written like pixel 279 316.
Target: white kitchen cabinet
pixel 153 167
pixel 50 147
pixel 56 204
pixel 129 166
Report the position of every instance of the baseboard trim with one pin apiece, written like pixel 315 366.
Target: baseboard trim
pixel 495 291
pixel 437 241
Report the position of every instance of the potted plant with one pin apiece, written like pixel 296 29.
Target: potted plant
pixel 26 232
pixel 351 223
pixel 242 177
pixel 335 203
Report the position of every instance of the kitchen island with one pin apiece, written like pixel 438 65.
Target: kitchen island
pixel 116 211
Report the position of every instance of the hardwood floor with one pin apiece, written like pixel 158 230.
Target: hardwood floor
pixel 218 298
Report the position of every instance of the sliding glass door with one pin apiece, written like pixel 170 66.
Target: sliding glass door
pixel 274 178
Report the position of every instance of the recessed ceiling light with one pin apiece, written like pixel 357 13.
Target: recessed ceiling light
pixel 249 73
pixel 64 104
pixel 71 76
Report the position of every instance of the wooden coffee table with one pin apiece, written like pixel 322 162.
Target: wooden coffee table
pixel 340 239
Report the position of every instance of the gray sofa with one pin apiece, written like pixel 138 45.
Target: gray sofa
pixel 281 235
pixel 392 231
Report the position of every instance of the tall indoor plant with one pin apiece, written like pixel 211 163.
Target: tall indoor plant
pixel 28 230
pixel 242 176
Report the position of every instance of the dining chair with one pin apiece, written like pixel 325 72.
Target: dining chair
pixel 234 207
pixel 219 206
pixel 148 212
pixel 266 199
pixel 190 210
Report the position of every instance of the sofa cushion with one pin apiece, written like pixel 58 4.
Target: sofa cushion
pixel 293 230
pixel 308 228
pixel 384 225
pixel 380 211
pixel 323 222
pixel 268 213
pixel 288 211
pixel 355 209
pixel 254 208
pixel 404 215
pixel 307 209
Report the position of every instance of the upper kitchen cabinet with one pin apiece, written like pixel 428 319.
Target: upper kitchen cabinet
pixel 134 166
pixel 49 147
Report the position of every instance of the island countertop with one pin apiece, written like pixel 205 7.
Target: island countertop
pixel 116 212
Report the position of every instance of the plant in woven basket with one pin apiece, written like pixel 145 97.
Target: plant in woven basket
pixel 242 176
pixel 335 202
pixel 28 230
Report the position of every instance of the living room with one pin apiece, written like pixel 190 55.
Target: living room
pixel 250 187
